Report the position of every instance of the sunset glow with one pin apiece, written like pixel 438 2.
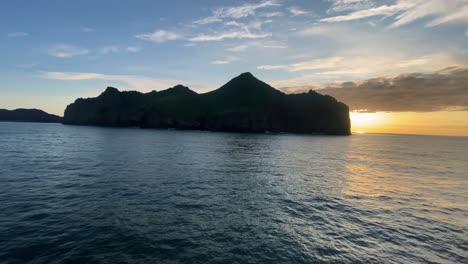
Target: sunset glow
pixel 453 123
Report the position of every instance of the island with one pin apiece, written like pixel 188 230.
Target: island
pixel 28 115
pixel 244 104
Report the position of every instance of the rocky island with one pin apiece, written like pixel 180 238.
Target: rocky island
pixel 244 104
pixel 28 115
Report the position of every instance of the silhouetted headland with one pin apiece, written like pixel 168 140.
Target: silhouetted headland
pixel 244 104
pixel 28 115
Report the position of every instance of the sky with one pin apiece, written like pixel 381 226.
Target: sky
pixel 401 65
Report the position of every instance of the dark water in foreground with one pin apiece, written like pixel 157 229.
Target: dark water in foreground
pixel 72 194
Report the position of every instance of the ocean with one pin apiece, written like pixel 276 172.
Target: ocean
pixel 75 194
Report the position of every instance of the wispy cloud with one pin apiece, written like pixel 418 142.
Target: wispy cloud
pixel 297 11
pixel 322 63
pixel 66 51
pixel 258 44
pixel 133 49
pixel 235 12
pixel 406 11
pixel 109 49
pixel 226 60
pixel 238 48
pixel 271 14
pixel 345 5
pixel 229 35
pixel 133 82
pixel 87 29
pixel 27 65
pixel 160 36
pixel 17 34
pixel 383 10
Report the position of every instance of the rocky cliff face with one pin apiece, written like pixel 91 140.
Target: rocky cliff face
pixel 244 104
pixel 28 115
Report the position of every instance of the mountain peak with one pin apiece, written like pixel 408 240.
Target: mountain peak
pixel 247 83
pixel 246 75
pixel 110 90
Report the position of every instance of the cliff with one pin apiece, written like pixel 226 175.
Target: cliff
pixel 28 115
pixel 244 104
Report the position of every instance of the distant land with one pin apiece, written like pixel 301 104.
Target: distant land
pixel 244 104
pixel 28 115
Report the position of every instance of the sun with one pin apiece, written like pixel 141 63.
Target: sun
pixel 364 122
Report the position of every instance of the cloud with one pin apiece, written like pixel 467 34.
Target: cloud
pixel 131 82
pixel 408 11
pixel 258 44
pixel 383 10
pixel 17 34
pixel 229 35
pixel 133 49
pixel 273 67
pixel 66 51
pixel 159 36
pixel 296 11
pixel 323 63
pixel 416 92
pixel 238 48
pixel 28 65
pixel 109 49
pixel 227 60
pixel 271 14
pixel 345 5
pixel 87 29
pixel 235 12
pixel 452 17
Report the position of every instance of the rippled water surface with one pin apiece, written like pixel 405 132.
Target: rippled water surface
pixel 71 194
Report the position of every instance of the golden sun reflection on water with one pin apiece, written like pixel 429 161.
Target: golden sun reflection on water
pixel 372 185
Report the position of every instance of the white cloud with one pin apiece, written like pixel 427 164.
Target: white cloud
pixel 229 35
pixel 271 14
pixel 296 11
pixel 344 5
pixel 127 81
pixel 383 10
pixel 87 29
pixel 133 49
pixel 66 51
pixel 408 11
pixel 273 67
pixel 238 48
pixel 17 34
pixel 109 49
pixel 358 66
pixel 159 36
pixel 235 12
pixel 460 15
pixel 258 44
pixel 323 63
pixel 28 65
pixel 227 60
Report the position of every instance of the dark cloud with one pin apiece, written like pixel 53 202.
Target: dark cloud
pixel 446 89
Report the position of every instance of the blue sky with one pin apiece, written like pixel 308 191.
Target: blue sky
pixel 55 51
